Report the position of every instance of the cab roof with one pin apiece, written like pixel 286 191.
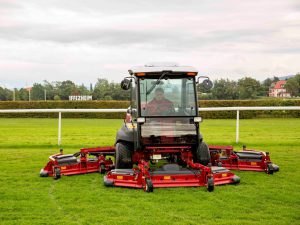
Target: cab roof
pixel 161 67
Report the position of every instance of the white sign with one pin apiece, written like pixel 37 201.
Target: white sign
pixel 80 98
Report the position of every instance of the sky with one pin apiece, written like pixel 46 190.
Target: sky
pixel 83 40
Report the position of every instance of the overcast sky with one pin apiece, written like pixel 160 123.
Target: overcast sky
pixel 83 40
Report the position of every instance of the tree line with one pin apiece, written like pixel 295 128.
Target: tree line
pixel 247 88
pixel 244 88
pixel 102 90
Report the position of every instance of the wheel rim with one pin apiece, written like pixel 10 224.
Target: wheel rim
pixel 146 187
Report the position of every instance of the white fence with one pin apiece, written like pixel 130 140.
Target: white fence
pixel 60 111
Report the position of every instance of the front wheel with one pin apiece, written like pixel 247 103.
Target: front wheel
pixel 203 154
pixel 56 174
pixel 102 169
pixel 270 169
pixel 210 184
pixel 123 156
pixel 148 186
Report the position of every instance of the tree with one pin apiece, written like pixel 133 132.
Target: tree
pixel 293 85
pixel 266 84
pixel 5 94
pixel 275 79
pixel 23 94
pixel 37 92
pixel 65 89
pixel 50 90
pixel 118 93
pixel 224 89
pixel 104 90
pixel 56 98
pixel 100 88
pixel 83 90
pixel 248 88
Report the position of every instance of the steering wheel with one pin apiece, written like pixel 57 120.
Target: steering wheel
pixel 169 112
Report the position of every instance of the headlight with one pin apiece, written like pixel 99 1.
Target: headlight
pixel 198 119
pixel 141 120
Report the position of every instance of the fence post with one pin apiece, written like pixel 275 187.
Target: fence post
pixel 59 128
pixel 237 125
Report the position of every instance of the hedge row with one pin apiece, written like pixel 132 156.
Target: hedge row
pixel 64 105
pixel 250 114
pixel 125 104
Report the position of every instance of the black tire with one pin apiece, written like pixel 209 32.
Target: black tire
pixel 210 184
pixel 123 156
pixel 57 174
pixel 102 169
pixel 149 185
pixel 270 169
pixel 203 154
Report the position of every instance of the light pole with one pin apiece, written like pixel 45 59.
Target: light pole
pixel 14 95
pixel 45 94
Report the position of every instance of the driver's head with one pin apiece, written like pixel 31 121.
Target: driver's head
pixel 159 94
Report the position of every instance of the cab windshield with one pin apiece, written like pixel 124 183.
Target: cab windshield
pixel 167 97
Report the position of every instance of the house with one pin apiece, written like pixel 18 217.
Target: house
pixel 277 90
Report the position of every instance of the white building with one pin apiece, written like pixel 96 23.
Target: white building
pixel 277 90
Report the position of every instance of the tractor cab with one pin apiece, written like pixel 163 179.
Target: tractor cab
pixel 167 108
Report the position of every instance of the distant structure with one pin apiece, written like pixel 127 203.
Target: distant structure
pixel 80 98
pixel 277 90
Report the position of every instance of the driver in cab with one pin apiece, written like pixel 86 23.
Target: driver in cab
pixel 159 105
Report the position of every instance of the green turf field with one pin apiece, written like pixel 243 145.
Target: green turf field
pixel 25 198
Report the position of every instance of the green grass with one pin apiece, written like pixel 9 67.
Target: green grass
pixel 25 198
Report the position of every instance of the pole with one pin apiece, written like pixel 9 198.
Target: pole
pixel 237 125
pixel 29 95
pixel 59 129
pixel 14 94
pixel 45 95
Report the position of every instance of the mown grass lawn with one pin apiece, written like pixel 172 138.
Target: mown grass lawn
pixel 25 198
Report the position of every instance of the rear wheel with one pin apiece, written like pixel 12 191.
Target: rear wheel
pixel 123 156
pixel 203 155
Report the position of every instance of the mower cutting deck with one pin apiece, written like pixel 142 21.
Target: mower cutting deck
pixel 171 175
pixel 249 160
pixel 79 163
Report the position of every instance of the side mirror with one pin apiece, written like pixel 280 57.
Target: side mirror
pixel 207 84
pixel 132 111
pixel 126 84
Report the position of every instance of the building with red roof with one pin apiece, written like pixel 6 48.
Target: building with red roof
pixel 277 90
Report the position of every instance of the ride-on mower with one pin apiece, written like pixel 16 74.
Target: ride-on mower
pixel 162 127
pixel 160 144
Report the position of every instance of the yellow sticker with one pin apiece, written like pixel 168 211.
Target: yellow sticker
pixel 167 177
pixel 253 163
pixel 130 125
pixel 63 167
pixel 120 177
pixel 224 174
